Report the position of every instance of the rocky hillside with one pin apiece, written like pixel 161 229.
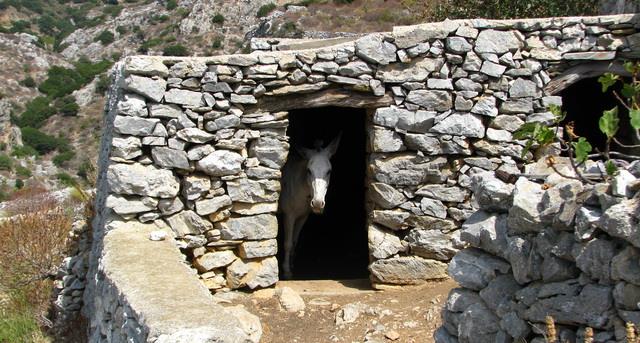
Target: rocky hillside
pixel 57 54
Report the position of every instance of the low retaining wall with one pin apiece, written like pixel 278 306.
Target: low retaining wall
pixel 562 248
pixel 147 294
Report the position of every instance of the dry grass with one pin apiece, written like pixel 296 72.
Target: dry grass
pixel 33 242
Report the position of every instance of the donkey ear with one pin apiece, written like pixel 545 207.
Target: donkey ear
pixel 333 146
pixel 303 152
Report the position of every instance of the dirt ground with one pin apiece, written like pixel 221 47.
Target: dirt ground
pixel 408 315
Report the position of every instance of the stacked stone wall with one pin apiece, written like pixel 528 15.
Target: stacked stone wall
pixel 198 143
pixel 556 248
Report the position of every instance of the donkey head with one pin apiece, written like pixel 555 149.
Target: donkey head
pixel 319 171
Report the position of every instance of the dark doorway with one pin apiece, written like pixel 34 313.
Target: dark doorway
pixel 584 103
pixel 333 245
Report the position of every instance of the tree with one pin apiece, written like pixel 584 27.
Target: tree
pixel 176 50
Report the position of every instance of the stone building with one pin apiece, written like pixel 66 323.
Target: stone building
pixel 194 147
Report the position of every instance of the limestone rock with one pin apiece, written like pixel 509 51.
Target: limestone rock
pixel 194 135
pixel 270 152
pixel 184 97
pixel 491 193
pixel 130 205
pixel 431 100
pixel 443 193
pixel 170 158
pixel 468 125
pixel 150 88
pixel 478 323
pixel 164 111
pixel 373 48
pixel 383 244
pixel 290 300
pixel 621 221
pixel 406 170
pixel 213 260
pixel 431 244
pixel 145 66
pixel 137 179
pixel 497 42
pixel 383 140
pixel 395 220
pixel 393 117
pixel 263 273
pixel 625 266
pixel 188 223
pixel 262 226
pixel 186 69
pixel 407 270
pixel 208 206
pixel 221 163
pixel 133 105
pixel 474 269
pixel 127 147
pixel 386 196
pixel 417 70
pixel 245 190
pixel 134 126
pixel 487 232
pixel 524 216
pixel 256 249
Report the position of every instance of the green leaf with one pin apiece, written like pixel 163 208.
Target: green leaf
pixel 525 131
pixel 582 148
pixel 628 90
pixel 630 67
pixel 634 115
pixel 610 168
pixel 557 112
pixel 526 149
pixel 609 122
pixel 607 80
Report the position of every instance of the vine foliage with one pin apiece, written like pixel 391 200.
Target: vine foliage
pixel 579 149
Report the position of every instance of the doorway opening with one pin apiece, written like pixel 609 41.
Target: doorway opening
pixel 333 245
pixel 584 103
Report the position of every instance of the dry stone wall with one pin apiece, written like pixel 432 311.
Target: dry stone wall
pixel 556 248
pixel 198 143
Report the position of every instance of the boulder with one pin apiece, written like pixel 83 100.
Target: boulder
pixel 431 244
pixel 486 231
pixel 385 196
pixel 498 42
pixel 221 163
pixel 170 158
pixel 269 151
pixel 149 88
pixel 373 48
pixel 524 215
pixel 431 100
pixel 138 179
pixel 145 66
pixel 474 269
pixel 258 227
pixel 621 221
pixel 462 124
pixel 383 244
pixel 491 193
pixel 188 223
pixel 133 105
pixel 407 270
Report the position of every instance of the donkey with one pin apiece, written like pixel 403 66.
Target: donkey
pixel 305 180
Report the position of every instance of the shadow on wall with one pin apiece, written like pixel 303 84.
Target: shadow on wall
pixel 333 245
pixel 584 103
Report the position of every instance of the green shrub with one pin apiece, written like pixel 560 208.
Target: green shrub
pixel 182 12
pixel 266 9
pixel 62 81
pixel 161 18
pixel 6 163
pixel 63 157
pixel 22 171
pixel 171 5
pixel 105 37
pixel 144 48
pixel 17 327
pixel 113 10
pixel 23 151
pixel 342 2
pixel 67 106
pixel 40 141
pixel 103 84
pixel 28 82
pixel 66 179
pixel 121 29
pixel 176 50
pixel 217 19
pixel 19 183
pixel 505 9
pixel 20 26
pixel 217 43
pixel 36 113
